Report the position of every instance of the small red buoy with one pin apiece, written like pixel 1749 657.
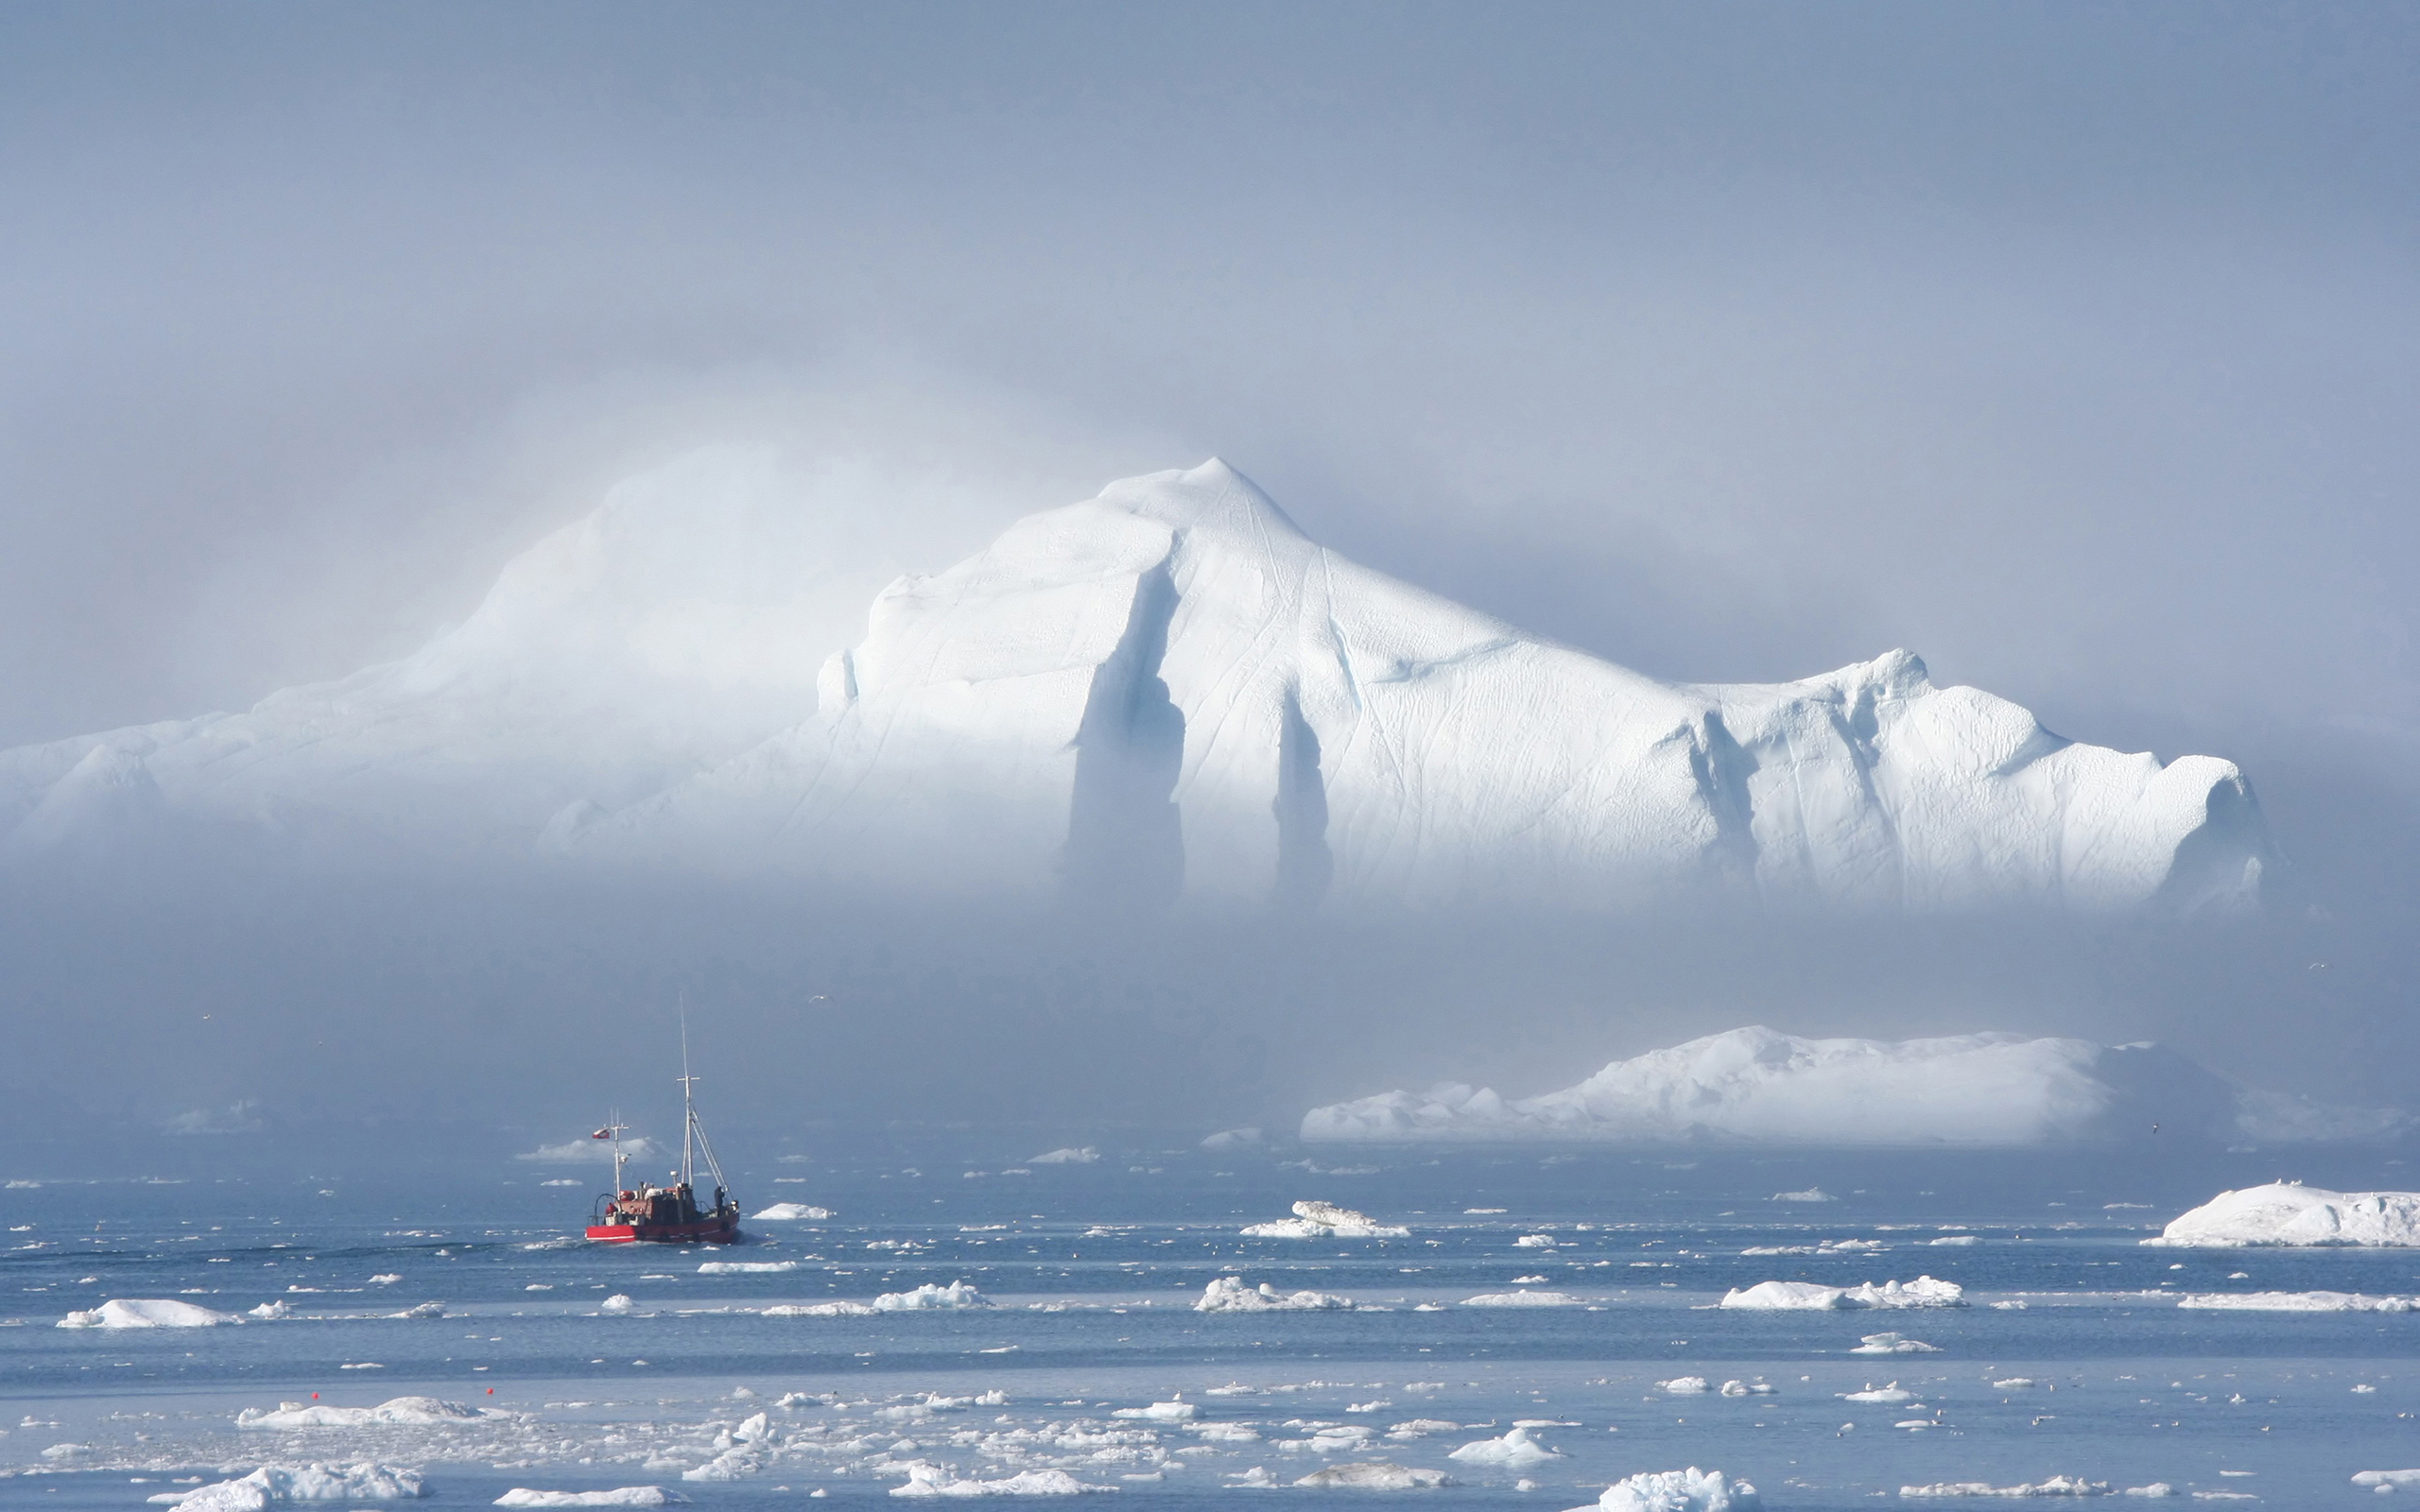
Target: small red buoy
pixel 491 1391
pixel 315 1396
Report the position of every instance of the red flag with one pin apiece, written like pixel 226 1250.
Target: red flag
pixel 602 1134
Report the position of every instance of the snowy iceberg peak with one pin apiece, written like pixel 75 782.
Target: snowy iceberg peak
pixel 1165 694
pixel 1758 1086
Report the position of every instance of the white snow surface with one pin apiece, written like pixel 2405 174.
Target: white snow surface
pixel 1758 1085
pixel 620 1496
pixel 1689 1490
pixel 146 1313
pixel 1168 687
pixel 1806 1296
pixel 413 1411
pixel 2287 1212
pixel 1228 1294
pixel 275 1485
pixel 1314 1219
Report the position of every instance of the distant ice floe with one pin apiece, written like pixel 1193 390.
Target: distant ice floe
pixel 927 1479
pixel 272 1484
pixel 419 1412
pixel 1758 1086
pixel 2055 1485
pixel 1160 1412
pixel 1523 1297
pixel 617 1305
pixel 1227 1293
pixel 1373 1475
pixel 1514 1450
pixel 2287 1212
pixel 1085 1154
pixel 2387 1480
pixel 1684 1386
pixel 146 1313
pixel 621 1496
pixel 1893 1344
pixel 2297 1303
pixel 1324 1220
pixel 1689 1490
pixel 1805 1296
pixel 745 1268
pixel 1810 1195
pixel 271 1312
pixel 926 1298
pixel 792 1212
pixel 1231 1139
pixel 1759 1388
pixel 1893 1395
pixel 590 1151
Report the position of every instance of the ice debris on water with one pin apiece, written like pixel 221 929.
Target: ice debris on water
pixel 927 1479
pixel 1890 1396
pixel 792 1212
pixel 2297 1303
pixel 1759 1388
pixel 270 1312
pixel 1160 1412
pixel 1084 1155
pixel 1228 1294
pixel 1514 1450
pixel 745 1268
pixel 1893 1344
pixel 925 1298
pixel 1689 1490
pixel 1522 1298
pixel 2287 1212
pixel 620 1496
pixel 2387 1480
pixel 1324 1220
pixel 1372 1475
pixel 2055 1485
pixel 1684 1385
pixel 274 1485
pixel 1797 1295
pixel 415 1411
pixel 617 1305
pixel 139 1312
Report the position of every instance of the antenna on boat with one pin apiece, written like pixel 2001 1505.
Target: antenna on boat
pixel 688 1102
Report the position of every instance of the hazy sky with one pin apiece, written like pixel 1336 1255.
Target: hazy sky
pixel 2076 347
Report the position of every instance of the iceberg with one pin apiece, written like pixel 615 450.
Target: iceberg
pixel 1522 1297
pixel 1167 693
pixel 620 1496
pixel 1373 1475
pixel 1759 1085
pixel 142 1312
pixel 792 1212
pixel 745 1268
pixel 2287 1212
pixel 929 1298
pixel 2387 1480
pixel 1689 1490
pixel 1806 1296
pixel 1514 1450
pixel 927 1479
pixel 1226 1294
pixel 273 1485
pixel 1084 1156
pixel 1893 1344
pixel 2055 1485
pixel 418 1412
pixel 2296 1302
pixel 1324 1220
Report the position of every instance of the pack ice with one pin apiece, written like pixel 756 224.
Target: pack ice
pixel 1758 1085
pixel 1167 691
pixel 2289 1212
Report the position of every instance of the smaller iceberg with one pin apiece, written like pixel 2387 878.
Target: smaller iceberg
pixel 2055 1485
pixel 1227 1293
pixel 143 1313
pixel 2297 1303
pixel 417 1412
pixel 1523 1297
pixel 1375 1475
pixel 1780 1296
pixel 273 1485
pixel 1324 1220
pixel 1516 1451
pixel 792 1212
pixel 620 1496
pixel 927 1479
pixel 1689 1490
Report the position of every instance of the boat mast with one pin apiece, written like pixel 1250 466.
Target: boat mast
pixel 688 1104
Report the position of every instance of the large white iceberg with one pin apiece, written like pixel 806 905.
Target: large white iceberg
pixel 1314 1219
pixel 927 1478
pixel 1168 692
pixel 419 1412
pixel 1779 1296
pixel 1760 1086
pixel 2287 1212
pixel 275 1485
pixel 1226 1294
pixel 1689 1490
pixel 147 1313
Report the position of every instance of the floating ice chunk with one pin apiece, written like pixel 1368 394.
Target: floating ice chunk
pixel 415 1411
pixel 745 1268
pixel 1800 1295
pixel 792 1212
pixel 1375 1475
pixel 270 1312
pixel 844 1308
pixel 1810 1195
pixel 1231 1139
pixel 1534 1242
pixel 1160 1412
pixel 1759 1388
pixel 925 1479
pixel 1893 1344
pixel 1084 1155
pixel 425 1310
pixel 1226 1294
pixel 1890 1396
pixel 2287 1212
pixel 1684 1385
pixel 274 1485
pixel 1689 1490
pixel 2055 1485
pixel 139 1312
pixel 2387 1480
pixel 2013 1384
pixel 1955 1239
pixel 2155 1488
pixel 621 1496
pixel 1516 1451
pixel 617 1305
pixel 1324 1220
pixel 386 1279
pixel 1524 1298
pixel 2297 1303
pixel 929 1298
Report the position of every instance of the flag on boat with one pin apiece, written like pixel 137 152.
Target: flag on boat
pixel 602 1134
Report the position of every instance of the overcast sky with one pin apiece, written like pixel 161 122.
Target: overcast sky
pixel 2072 345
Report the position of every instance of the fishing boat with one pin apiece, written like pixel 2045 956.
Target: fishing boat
pixel 666 1214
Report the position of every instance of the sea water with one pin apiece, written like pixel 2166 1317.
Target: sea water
pixel 1092 1269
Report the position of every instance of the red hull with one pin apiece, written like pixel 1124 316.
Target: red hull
pixel 704 1231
